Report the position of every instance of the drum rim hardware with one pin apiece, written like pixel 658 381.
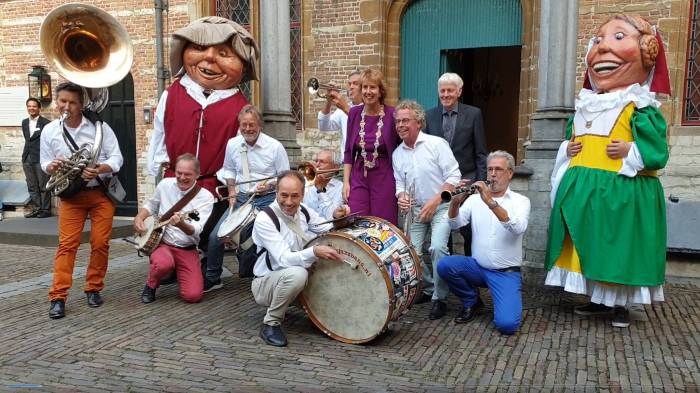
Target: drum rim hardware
pixel 379 263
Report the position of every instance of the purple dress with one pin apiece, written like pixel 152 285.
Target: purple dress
pixel 374 195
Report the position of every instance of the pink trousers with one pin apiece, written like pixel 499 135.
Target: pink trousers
pixel 167 258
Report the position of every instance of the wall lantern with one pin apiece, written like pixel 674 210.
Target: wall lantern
pixel 39 84
pixel 147 114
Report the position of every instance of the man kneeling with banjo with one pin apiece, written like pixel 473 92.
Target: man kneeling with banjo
pixel 174 200
pixel 281 234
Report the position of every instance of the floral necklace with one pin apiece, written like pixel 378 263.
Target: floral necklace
pixel 371 164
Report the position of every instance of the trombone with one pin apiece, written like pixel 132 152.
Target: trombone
pixel 315 86
pixel 309 170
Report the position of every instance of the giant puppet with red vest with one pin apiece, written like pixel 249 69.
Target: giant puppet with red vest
pixel 198 113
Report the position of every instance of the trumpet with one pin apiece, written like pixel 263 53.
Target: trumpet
pixel 315 86
pixel 411 191
pixel 446 196
pixel 309 170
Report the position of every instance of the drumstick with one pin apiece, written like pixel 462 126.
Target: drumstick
pixel 351 215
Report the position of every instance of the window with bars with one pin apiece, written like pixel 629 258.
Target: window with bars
pixel 295 58
pixel 239 12
pixel 691 104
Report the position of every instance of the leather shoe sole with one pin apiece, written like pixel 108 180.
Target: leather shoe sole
pixel 43 215
pixel 58 309
pixel 148 295
pixel 467 314
pixel 94 299
pixel 273 335
pixel 438 311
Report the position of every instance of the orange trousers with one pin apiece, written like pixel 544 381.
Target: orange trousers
pixel 72 214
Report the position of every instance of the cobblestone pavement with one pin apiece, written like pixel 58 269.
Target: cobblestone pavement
pixel 214 345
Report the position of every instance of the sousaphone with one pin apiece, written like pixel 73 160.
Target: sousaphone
pixel 88 47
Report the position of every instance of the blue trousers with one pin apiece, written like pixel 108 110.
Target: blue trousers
pixel 464 276
pixel 439 228
pixel 215 251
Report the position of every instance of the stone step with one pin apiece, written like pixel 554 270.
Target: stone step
pixel 44 231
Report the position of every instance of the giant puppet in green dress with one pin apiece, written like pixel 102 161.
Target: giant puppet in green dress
pixel 607 231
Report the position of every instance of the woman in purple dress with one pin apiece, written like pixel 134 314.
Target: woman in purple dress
pixel 368 178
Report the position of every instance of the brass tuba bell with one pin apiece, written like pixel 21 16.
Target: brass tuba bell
pixel 87 46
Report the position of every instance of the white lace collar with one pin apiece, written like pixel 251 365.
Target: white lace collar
pixel 640 95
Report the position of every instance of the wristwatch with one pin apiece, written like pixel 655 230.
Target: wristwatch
pixel 493 204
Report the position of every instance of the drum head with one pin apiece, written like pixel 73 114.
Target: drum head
pixel 143 239
pixel 235 220
pixel 348 301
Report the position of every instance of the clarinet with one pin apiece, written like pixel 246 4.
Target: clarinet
pixel 447 196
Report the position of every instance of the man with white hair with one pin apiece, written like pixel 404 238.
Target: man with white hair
pixel 325 193
pixel 499 218
pixel 463 128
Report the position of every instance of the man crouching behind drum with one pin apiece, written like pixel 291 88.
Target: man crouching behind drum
pixel 178 249
pixel 280 270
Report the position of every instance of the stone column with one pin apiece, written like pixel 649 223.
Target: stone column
pixel 555 103
pixel 276 76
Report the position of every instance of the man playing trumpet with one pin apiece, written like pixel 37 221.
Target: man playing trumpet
pixel 427 162
pixel 325 194
pixel 178 249
pixel 250 155
pixel 338 120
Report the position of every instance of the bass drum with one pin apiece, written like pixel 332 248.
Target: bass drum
pixel 354 301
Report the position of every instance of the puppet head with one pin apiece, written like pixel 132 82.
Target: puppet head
pixel 623 53
pixel 215 52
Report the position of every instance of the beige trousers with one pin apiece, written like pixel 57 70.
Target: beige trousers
pixel 277 290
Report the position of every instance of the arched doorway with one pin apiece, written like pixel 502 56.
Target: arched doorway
pixel 480 40
pixel 120 115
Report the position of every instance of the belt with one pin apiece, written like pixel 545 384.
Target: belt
pixel 187 248
pixel 512 269
pixel 88 188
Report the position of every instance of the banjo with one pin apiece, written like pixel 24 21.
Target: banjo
pixel 147 242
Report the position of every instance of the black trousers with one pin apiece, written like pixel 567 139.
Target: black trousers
pixel 466 232
pixel 216 213
pixel 36 183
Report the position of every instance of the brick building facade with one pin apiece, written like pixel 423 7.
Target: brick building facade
pixel 339 36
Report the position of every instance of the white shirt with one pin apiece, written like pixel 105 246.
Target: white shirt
pixel 53 145
pixel 284 246
pixel 336 121
pixel 495 244
pixel 266 158
pixel 167 194
pixel 157 153
pixel 325 203
pixel 32 124
pixel 428 165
